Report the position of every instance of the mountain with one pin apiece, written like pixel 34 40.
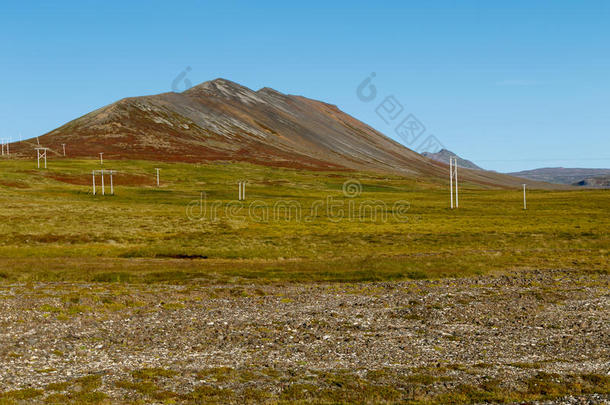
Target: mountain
pixel 563 175
pixel 221 120
pixel 443 156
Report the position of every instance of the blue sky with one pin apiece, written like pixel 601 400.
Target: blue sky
pixel 510 85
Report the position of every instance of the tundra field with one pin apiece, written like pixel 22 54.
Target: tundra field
pixel 321 287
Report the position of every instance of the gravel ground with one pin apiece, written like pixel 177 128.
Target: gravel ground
pixel 457 332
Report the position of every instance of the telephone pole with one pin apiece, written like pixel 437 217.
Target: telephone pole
pixel 453 178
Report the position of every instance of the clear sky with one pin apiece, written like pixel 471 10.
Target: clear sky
pixel 510 85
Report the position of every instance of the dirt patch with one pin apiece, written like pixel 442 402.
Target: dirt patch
pixel 14 184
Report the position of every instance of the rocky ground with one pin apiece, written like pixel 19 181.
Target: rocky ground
pixel 540 336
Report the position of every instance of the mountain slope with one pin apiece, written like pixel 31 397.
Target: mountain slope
pixel 222 120
pixel 443 156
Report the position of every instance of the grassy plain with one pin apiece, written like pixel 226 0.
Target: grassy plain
pixel 295 226
pixel 72 263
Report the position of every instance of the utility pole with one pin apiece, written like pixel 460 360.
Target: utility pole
pixel 5 146
pixel 524 200
pixel 111 183
pixel 41 153
pixel 451 180
pixel 101 158
pixel 455 167
pixel 101 173
pixel 63 145
pixel 453 177
pixel 157 169
pixel 242 191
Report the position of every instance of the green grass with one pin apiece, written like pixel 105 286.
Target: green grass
pixel 277 386
pixel 78 391
pixel 53 229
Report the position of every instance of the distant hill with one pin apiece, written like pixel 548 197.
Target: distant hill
pixel 443 156
pixel 599 178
